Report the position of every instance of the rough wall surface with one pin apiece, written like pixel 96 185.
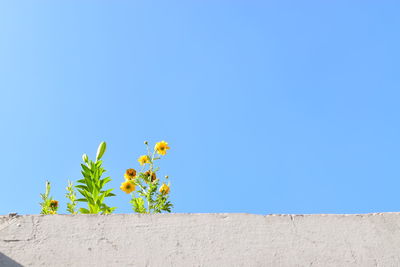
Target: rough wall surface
pixel 200 240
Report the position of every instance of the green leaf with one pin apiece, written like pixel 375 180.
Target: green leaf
pixel 107 192
pixel 138 205
pixel 112 209
pixel 91 165
pixel 85 168
pixel 81 187
pixel 104 181
pixel 95 192
pixel 84 211
pixel 101 198
pixel 86 194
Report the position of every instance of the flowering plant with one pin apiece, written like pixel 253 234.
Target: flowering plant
pixel 49 205
pixel 147 199
pixel 91 186
pixel 150 197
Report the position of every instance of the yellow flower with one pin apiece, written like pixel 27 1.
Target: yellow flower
pixel 53 204
pixel 128 186
pixel 149 175
pixel 164 189
pixel 161 147
pixel 153 176
pixel 144 159
pixel 130 174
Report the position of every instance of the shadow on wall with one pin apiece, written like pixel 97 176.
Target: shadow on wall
pixel 8 262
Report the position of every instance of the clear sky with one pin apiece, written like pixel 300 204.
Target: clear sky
pixel 268 106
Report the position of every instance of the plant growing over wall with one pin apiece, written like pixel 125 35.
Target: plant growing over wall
pixel 92 184
pixel 71 195
pixel 49 205
pixel 150 197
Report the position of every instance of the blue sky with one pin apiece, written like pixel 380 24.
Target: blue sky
pixel 268 106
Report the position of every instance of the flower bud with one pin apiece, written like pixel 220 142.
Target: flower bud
pixel 146 143
pixel 85 158
pixel 100 150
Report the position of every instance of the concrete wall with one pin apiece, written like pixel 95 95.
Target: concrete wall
pixel 200 240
